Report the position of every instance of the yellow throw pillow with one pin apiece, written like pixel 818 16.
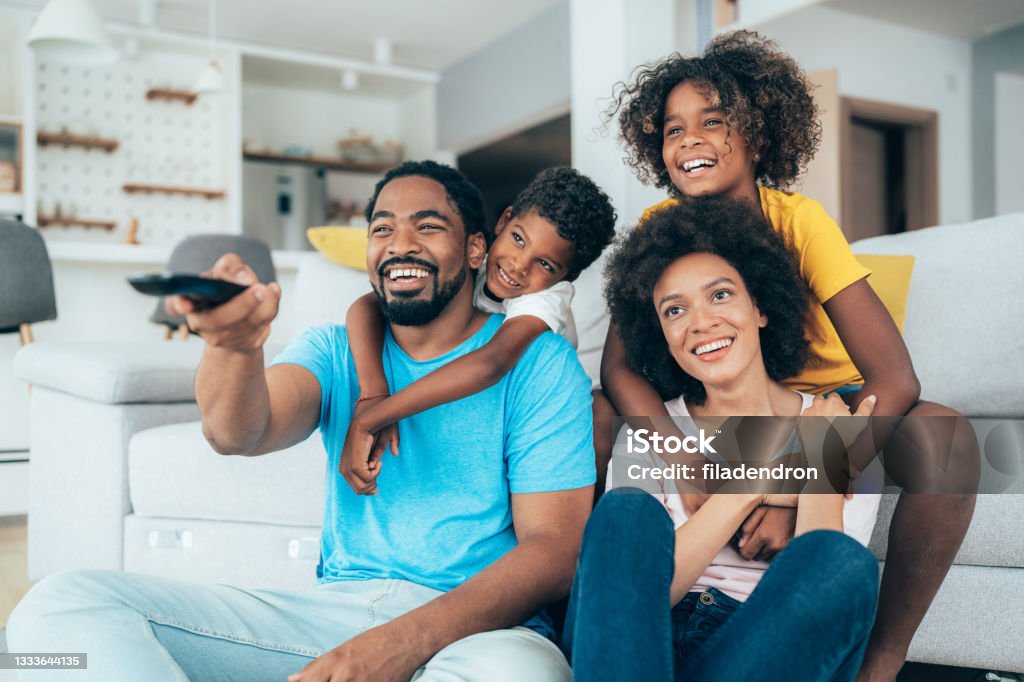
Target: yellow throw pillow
pixel 890 278
pixel 342 245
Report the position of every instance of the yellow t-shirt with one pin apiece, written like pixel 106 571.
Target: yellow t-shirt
pixel 828 266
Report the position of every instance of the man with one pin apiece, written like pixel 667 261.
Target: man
pixel 476 525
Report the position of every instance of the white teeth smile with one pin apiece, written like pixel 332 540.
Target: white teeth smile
pixel 714 345
pixel 407 272
pixel 698 163
pixel 506 279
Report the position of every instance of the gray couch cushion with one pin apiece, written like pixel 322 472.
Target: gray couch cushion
pixel 965 312
pixel 173 472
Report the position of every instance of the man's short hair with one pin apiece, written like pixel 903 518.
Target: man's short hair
pixel 462 193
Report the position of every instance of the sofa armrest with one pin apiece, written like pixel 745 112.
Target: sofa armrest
pixel 113 373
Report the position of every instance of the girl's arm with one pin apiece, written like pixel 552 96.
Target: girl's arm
pixel 704 535
pixel 460 378
pixel 874 344
pixel 364 325
pixel 630 393
pixel 633 396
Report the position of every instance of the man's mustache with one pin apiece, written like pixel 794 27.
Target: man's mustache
pixel 405 260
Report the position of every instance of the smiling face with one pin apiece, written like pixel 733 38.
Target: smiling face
pixel 527 256
pixel 711 323
pixel 418 255
pixel 702 154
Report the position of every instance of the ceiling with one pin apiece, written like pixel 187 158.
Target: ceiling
pixel 425 34
pixel 966 20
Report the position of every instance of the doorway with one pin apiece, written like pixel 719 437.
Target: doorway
pixel 501 169
pixel 888 168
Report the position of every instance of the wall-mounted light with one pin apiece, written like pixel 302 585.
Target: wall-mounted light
pixel 70 30
pixel 349 79
pixel 211 80
pixel 382 51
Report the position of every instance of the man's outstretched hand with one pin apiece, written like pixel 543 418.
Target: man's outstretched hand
pixel 243 323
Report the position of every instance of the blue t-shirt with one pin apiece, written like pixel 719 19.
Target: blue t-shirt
pixel 444 512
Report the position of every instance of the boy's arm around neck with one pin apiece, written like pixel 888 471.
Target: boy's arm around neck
pixel 364 324
pixel 462 377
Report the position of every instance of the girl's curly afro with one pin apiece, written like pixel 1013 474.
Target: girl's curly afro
pixel 737 232
pixel 764 94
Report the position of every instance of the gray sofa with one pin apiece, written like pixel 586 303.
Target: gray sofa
pixel 121 477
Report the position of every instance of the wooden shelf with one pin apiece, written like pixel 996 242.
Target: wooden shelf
pixel 86 141
pixel 185 96
pixel 140 188
pixel 319 162
pixel 69 221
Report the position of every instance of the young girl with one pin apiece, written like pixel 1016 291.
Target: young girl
pixel 711 310
pixel 739 121
pixel 556 227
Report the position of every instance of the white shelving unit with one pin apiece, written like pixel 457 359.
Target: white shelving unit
pixel 176 144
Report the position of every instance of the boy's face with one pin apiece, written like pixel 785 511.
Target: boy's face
pixel 528 255
pixel 711 323
pixel 699 151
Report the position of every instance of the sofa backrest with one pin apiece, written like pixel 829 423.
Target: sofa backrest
pixel 965 312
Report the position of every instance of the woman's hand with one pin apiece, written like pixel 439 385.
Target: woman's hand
pixel 833 406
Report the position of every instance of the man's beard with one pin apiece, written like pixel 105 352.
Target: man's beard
pixel 400 310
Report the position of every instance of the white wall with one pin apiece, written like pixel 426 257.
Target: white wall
pixel 10 25
pixel 889 63
pixel 417 123
pixel 518 81
pixel 1009 108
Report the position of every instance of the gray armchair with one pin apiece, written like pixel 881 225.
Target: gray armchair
pixel 26 280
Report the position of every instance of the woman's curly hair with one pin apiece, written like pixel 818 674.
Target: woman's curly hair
pixel 762 91
pixel 737 232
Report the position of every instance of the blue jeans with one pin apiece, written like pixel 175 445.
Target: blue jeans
pixel 137 627
pixel 808 619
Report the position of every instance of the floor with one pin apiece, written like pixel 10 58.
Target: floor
pixel 13 564
pixel 14 584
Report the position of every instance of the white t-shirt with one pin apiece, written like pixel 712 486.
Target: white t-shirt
pixel 552 305
pixel 729 571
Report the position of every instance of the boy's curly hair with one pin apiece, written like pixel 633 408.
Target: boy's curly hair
pixel 733 230
pixel 580 211
pixel 764 94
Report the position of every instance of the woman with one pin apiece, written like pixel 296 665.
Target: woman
pixel 710 306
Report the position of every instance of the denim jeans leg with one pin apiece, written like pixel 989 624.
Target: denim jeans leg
pixel 136 627
pixel 618 626
pixel 808 618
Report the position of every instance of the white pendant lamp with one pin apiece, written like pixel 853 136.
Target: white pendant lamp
pixel 71 31
pixel 211 80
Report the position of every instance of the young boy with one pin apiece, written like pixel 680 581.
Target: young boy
pixel 556 227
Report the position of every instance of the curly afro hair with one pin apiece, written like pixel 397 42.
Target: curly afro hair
pixel 763 93
pixel 580 211
pixel 463 195
pixel 737 232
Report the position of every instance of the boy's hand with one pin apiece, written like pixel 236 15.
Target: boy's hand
pixel 360 456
